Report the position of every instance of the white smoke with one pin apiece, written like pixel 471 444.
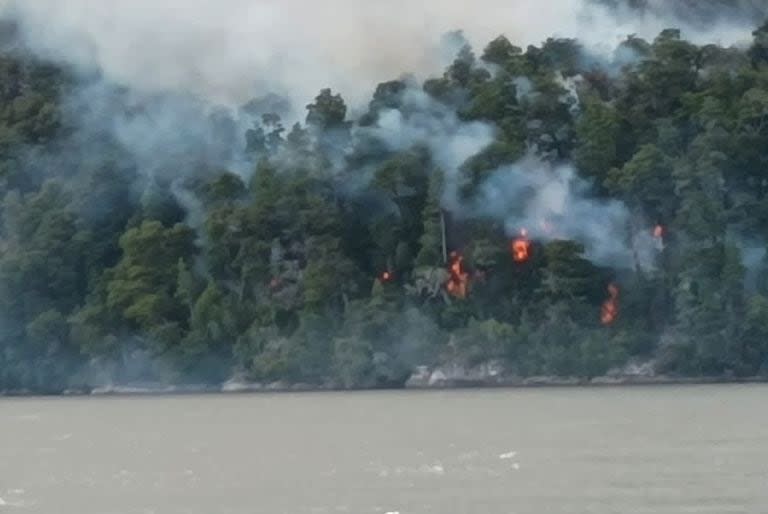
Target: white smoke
pixel 646 247
pixel 697 13
pixel 422 120
pixel 164 134
pixel 230 51
pixel 753 258
pixel 551 202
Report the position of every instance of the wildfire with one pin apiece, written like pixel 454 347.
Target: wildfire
pixel 610 309
pixel 458 282
pixel 658 232
pixel 387 276
pixel 521 247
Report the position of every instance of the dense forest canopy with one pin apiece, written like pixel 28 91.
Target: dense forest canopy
pixel 546 209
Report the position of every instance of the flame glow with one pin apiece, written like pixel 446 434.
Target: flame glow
pixel 458 282
pixel 521 247
pixel 610 309
pixel 658 232
pixel 387 276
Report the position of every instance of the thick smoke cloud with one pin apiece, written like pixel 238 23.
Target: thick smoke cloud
pixel 230 51
pixel 179 58
pixel 165 134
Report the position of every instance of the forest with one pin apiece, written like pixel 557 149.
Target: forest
pixel 548 209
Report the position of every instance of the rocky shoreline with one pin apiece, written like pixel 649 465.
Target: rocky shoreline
pixel 440 378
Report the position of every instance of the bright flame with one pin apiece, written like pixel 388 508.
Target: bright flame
pixel 610 309
pixel 458 282
pixel 658 232
pixel 387 276
pixel 521 247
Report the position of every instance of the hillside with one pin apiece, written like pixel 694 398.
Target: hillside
pixel 548 209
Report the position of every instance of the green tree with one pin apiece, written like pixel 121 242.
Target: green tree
pixel 431 241
pixel 328 111
pixel 755 340
pixel 500 51
pixel 645 182
pixel 758 52
pixel 597 133
pixel 142 287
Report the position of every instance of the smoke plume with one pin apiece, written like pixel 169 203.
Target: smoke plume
pixel 552 202
pixel 177 59
pixel 230 52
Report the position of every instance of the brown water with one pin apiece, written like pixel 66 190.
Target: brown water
pixel 625 450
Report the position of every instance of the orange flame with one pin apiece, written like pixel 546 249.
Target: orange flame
pixel 458 282
pixel 610 309
pixel 521 247
pixel 658 232
pixel 387 276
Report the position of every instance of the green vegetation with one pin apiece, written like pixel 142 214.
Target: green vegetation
pixel 324 263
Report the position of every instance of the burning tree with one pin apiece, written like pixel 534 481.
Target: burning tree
pixel 458 282
pixel 521 247
pixel 610 310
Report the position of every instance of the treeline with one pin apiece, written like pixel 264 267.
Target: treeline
pixel 336 260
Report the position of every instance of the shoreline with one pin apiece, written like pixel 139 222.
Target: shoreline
pixel 243 388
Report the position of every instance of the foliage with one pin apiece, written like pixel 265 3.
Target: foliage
pixel 325 260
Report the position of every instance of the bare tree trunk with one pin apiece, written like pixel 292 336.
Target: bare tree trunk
pixel 442 227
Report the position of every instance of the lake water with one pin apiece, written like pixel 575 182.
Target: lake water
pixel 701 449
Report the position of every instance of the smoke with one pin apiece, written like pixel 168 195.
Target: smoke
pixel 421 120
pixel 753 258
pixel 164 135
pixel 161 68
pixel 192 206
pixel 177 59
pixel 552 202
pixel 549 201
pixel 230 52
pixel 697 13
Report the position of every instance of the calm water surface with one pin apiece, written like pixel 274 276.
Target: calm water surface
pixel 624 450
